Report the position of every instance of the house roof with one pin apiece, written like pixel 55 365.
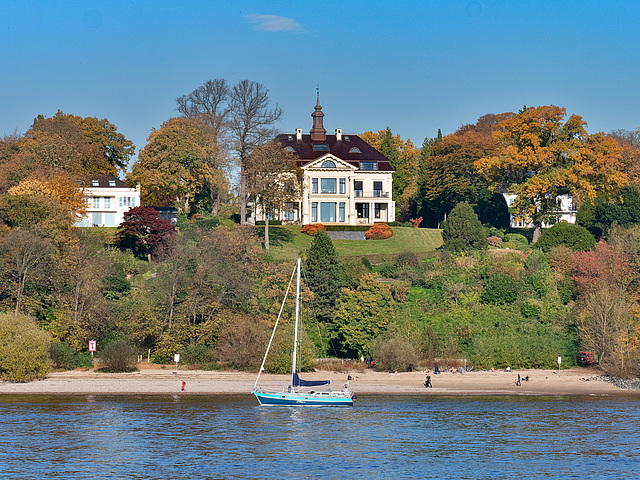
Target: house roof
pixel 346 149
pixel 103 181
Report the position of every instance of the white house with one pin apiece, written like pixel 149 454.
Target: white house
pixel 108 198
pixel 567 211
pixel 345 180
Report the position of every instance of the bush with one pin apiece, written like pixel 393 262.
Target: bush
pixel 462 230
pixel 62 355
pixel 394 354
pixel 242 342
pixel 379 231
pixel 530 309
pixel 24 348
pixel 575 237
pixel 500 289
pixel 312 228
pixel 516 238
pixel 118 356
pixel 195 355
pixel 406 259
pixel 494 241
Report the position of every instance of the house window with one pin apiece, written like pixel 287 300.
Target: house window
pixel 377 189
pixel 107 202
pixel 328 164
pixel 96 202
pixel 95 183
pixel 354 149
pixel 327 185
pixel 112 183
pixel 320 147
pixel 109 219
pixel 314 185
pixel 357 187
pixel 289 149
pixel 362 210
pixel 96 219
pixel 288 212
pixel 341 212
pixel 327 212
pixel 379 209
pixel 368 165
pixel 343 185
pixel 314 211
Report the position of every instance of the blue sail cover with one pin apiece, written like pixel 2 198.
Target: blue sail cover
pixel 298 382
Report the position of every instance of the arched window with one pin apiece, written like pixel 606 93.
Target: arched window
pixel 328 164
pixel 289 149
pixel 355 150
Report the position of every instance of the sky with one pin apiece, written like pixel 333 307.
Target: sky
pixel 414 66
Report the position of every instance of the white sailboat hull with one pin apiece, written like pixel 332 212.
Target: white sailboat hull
pixel 305 398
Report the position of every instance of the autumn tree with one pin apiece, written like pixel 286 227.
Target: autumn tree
pixel 541 156
pixel 272 180
pixel 144 233
pixel 250 125
pixel 448 175
pixel 210 105
pixel 177 164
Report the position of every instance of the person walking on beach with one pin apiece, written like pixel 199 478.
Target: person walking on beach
pixel 518 381
pixel 184 384
pixel 427 382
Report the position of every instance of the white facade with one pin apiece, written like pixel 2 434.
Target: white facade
pixel 567 211
pixel 108 198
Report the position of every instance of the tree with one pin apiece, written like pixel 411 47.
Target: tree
pixel 492 209
pixel 24 348
pixel 210 105
pixel 448 175
pixel 462 230
pixel 251 124
pixel 144 233
pixel 361 316
pixel 273 180
pixel 25 253
pixel 622 209
pixel 323 275
pixel 542 156
pixel 177 164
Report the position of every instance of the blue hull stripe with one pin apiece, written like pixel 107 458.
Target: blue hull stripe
pixel 301 400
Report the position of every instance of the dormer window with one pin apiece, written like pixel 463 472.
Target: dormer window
pixel 95 183
pixel 346 138
pixel 355 150
pixel 112 183
pixel 328 164
pixel 368 165
pixel 289 149
pixel 320 147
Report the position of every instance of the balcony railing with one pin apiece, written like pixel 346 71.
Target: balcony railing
pixel 371 194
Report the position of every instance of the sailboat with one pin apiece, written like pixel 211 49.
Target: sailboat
pixel 299 392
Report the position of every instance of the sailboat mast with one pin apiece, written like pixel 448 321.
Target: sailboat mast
pixel 295 335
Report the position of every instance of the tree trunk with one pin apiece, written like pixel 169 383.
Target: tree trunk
pixel 266 233
pixel 243 200
pixel 215 203
pixel 537 231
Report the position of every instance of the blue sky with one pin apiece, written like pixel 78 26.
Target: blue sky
pixel 414 66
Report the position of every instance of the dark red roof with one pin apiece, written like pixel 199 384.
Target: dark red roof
pixel 305 152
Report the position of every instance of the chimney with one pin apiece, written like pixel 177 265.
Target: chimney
pixel 338 134
pixel 298 134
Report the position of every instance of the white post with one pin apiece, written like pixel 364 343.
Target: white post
pixel 176 358
pixel 559 363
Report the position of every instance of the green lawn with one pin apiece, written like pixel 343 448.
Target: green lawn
pixel 288 242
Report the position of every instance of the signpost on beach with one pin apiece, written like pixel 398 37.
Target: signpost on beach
pixel 92 347
pixel 176 358
pixel 559 362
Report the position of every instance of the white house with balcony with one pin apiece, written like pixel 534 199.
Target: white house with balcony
pixel 566 211
pixel 108 198
pixel 345 181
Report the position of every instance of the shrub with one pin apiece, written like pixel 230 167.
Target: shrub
pixel 312 228
pixel 195 355
pixel 242 342
pixel 530 309
pixel 462 230
pixel 561 259
pixel 24 348
pixel 494 241
pixel 406 259
pixel 118 356
pixel 566 290
pixel 62 355
pixel 516 238
pixel 394 354
pixel 575 237
pixel 500 289
pixel 379 231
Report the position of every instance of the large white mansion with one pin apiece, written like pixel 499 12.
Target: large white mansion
pixel 345 180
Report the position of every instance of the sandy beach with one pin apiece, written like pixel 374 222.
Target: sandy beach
pixel 158 380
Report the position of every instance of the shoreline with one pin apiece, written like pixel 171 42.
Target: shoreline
pixel 155 380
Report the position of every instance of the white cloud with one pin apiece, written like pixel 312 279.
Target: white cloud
pixel 274 23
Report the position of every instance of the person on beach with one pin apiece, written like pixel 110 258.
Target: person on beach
pixel 184 384
pixel 427 382
pixel 518 381
pixel 436 369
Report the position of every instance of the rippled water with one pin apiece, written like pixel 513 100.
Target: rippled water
pixel 157 437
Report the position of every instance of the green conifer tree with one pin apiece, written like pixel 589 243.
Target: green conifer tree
pixel 323 275
pixel 462 230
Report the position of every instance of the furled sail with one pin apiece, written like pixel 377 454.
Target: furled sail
pixel 298 382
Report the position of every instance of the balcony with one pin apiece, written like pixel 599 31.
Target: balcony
pixel 371 194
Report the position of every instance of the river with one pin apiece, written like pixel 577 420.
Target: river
pixel 381 437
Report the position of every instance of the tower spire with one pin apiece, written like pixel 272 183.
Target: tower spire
pixel 318 133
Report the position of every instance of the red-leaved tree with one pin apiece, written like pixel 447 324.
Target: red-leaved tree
pixel 144 233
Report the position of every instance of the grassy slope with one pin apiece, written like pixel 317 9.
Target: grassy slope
pixel 288 242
